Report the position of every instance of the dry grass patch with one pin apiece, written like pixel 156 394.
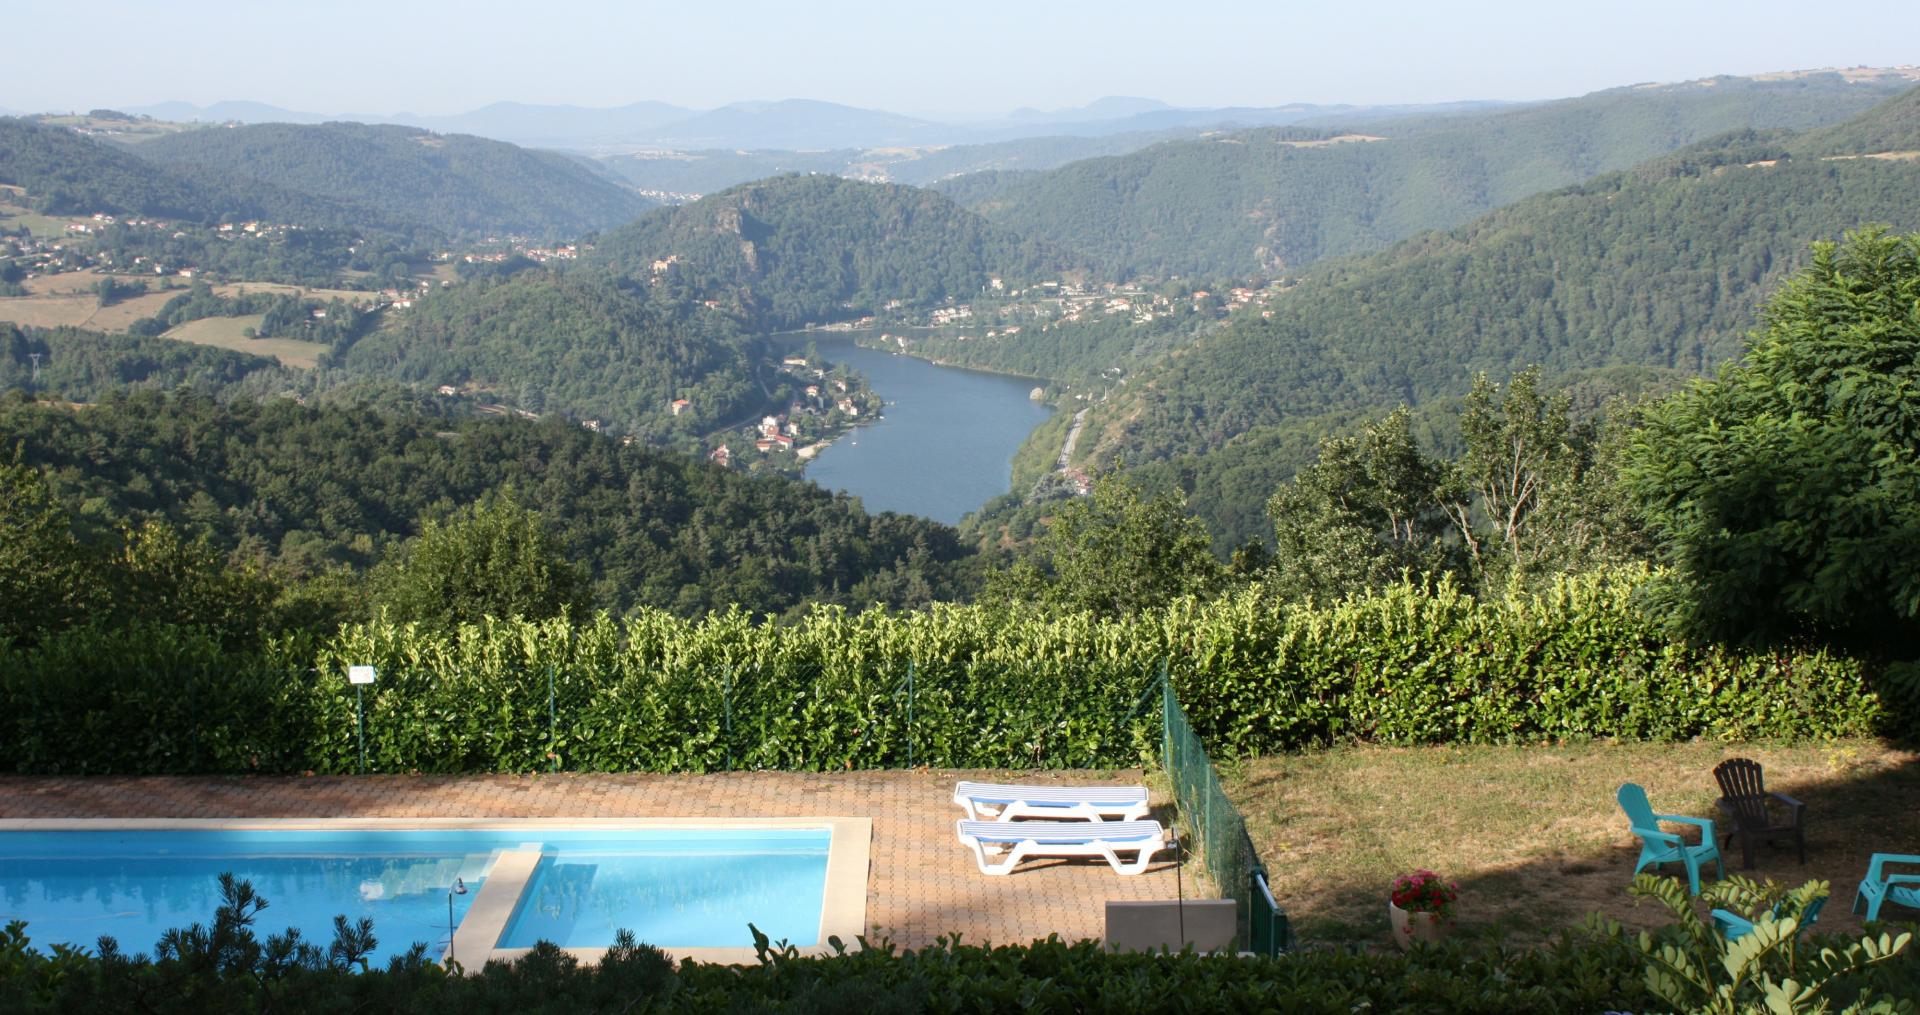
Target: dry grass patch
pixel 230 333
pixel 48 311
pixel 1532 834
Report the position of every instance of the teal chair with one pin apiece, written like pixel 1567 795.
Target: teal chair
pixel 1880 887
pixel 1734 926
pixel 1658 847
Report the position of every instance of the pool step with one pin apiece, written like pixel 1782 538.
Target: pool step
pixel 487 918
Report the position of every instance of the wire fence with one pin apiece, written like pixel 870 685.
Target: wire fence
pixel 1216 825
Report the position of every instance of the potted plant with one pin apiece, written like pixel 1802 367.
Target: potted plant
pixel 1421 907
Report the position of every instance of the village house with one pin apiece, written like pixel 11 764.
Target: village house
pixel 846 405
pixel 680 405
pixel 720 456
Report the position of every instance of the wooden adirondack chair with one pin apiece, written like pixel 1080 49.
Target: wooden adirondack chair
pixel 1744 799
pixel 1658 846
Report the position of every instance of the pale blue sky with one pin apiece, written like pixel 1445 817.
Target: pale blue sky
pixel 971 57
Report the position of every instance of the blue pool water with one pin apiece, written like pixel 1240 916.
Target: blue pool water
pixel 697 893
pixel 672 887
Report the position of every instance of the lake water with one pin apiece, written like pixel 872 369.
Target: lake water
pixel 946 444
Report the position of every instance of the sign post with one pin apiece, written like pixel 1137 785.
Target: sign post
pixel 360 677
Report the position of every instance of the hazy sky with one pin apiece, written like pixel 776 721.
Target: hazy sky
pixel 972 57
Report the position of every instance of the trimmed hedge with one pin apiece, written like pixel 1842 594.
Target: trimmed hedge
pixel 1412 664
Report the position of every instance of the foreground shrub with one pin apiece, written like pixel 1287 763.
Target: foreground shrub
pixel 948 686
pixel 224 967
pixel 1692 967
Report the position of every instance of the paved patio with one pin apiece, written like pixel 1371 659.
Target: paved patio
pixel 923 883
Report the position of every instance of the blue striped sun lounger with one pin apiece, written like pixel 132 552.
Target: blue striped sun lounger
pixel 986 801
pixel 1015 841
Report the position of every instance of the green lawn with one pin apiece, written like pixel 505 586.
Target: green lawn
pixel 1532 834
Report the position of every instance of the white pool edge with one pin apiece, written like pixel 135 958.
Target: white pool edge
pixel 843 903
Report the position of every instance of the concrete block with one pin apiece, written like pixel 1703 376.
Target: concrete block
pixel 1152 926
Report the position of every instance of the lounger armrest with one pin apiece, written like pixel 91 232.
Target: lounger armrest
pixel 1706 824
pixel 1880 860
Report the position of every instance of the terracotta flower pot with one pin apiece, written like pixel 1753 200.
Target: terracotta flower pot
pixel 1411 927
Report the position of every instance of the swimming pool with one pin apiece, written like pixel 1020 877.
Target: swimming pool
pixel 488 889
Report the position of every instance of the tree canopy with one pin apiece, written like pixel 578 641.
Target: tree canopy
pixel 1787 490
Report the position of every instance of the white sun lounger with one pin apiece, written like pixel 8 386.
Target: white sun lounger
pixel 986 801
pixel 1019 840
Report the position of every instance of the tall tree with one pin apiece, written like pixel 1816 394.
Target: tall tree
pixel 1114 552
pixel 1360 515
pixel 1787 491
pixel 496 558
pixel 1515 495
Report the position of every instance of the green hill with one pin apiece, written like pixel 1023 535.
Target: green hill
pixel 308 487
pixel 576 344
pixel 798 249
pixel 453 183
pixel 65 173
pixel 1662 267
pixel 1267 201
pixel 1893 126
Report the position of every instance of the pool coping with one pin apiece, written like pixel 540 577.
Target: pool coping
pixel 843 904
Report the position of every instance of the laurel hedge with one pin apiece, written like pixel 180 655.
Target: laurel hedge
pixel 951 686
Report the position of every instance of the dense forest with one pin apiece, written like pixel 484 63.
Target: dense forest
pixel 86 366
pixel 456 184
pixel 574 343
pixel 1661 267
pixel 64 173
pixel 799 249
pixel 1265 201
pixel 302 490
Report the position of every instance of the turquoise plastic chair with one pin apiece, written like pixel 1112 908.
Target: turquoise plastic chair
pixel 1880 887
pixel 1658 847
pixel 1734 926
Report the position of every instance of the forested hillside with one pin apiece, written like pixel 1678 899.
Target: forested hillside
pixel 65 173
pixel 799 249
pixel 1264 201
pixel 306 488
pixel 574 343
pixel 453 183
pixel 85 366
pixel 1662 267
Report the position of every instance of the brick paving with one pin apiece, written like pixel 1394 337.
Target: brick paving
pixel 923 884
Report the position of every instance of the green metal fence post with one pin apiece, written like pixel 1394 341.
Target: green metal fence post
pixel 909 713
pixel 360 706
pixel 553 723
pixel 726 710
pixel 1166 721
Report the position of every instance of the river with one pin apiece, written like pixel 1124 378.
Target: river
pixel 945 443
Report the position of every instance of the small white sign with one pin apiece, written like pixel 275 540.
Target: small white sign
pixel 359 674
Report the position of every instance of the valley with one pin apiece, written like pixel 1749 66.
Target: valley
pixel 729 440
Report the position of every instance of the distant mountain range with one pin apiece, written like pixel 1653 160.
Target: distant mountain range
pixel 340 175
pixel 794 125
pixel 1275 200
